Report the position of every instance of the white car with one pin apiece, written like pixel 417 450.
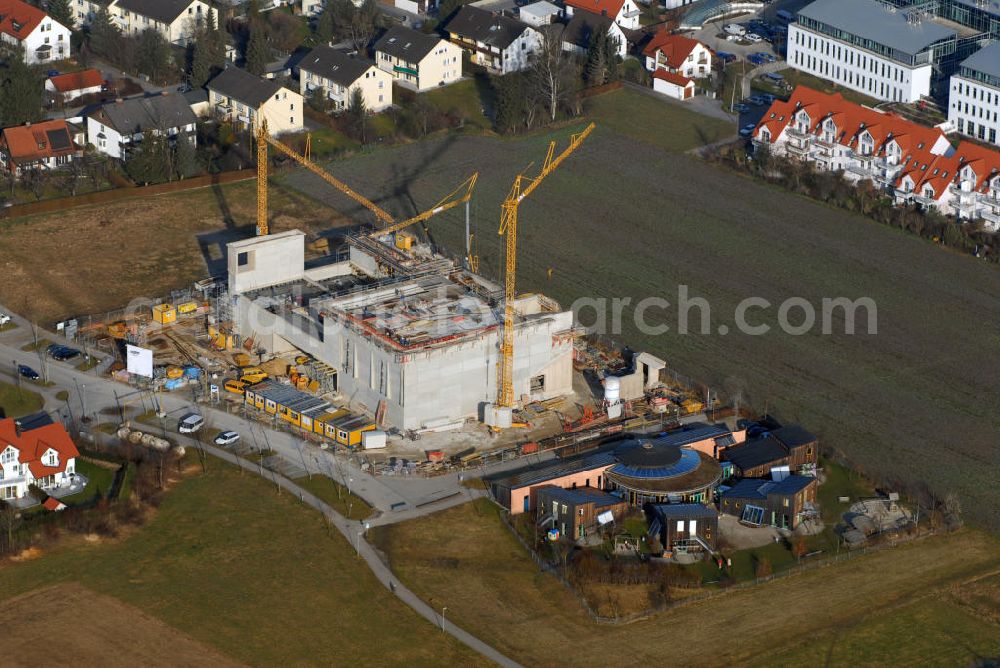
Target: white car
pixel 4 318
pixel 227 438
pixel 190 423
pixel 753 37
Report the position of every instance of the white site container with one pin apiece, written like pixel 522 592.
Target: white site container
pixel 373 440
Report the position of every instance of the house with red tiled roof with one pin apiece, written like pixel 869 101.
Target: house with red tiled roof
pixel 914 163
pixel 678 54
pixel 673 85
pixel 623 12
pixel 24 26
pixel 37 146
pixel 75 84
pixel 44 456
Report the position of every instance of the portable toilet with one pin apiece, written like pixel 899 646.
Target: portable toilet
pixel 164 314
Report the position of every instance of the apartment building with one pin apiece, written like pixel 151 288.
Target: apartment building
pixel 974 99
pixel 418 60
pixel 884 52
pixel 678 54
pixel 497 42
pixel 338 74
pixel 242 98
pixel 27 28
pixel 914 163
pixel 176 20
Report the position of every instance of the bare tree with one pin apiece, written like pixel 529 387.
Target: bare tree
pixel 10 522
pixel 551 74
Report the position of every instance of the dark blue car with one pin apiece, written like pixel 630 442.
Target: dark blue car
pixel 27 372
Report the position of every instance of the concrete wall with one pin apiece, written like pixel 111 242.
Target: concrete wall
pixel 267 261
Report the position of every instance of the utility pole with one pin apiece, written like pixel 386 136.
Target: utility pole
pixel 17 378
pixel 468 241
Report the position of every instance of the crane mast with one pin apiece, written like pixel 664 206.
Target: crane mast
pixel 508 227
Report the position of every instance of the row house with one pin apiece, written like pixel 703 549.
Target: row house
pixel 44 456
pixel 37 147
pixel 337 74
pixel 33 33
pixel 245 99
pixel 915 163
pixel 499 43
pixel 417 60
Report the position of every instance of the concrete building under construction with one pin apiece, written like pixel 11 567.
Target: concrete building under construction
pixel 412 336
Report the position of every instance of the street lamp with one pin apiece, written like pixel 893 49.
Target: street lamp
pixel 357 543
pixel 442 617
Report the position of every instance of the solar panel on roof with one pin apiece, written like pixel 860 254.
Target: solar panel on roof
pixel 58 139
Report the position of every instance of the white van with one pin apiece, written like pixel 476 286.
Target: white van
pixel 735 29
pixel 190 423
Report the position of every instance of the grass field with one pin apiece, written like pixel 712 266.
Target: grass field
pixel 16 403
pixel 256 576
pixel 465 559
pixel 90 632
pixel 625 218
pixel 142 247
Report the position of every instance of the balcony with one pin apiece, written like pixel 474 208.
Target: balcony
pixel 992 219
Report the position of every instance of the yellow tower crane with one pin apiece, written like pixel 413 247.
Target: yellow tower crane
pixel 264 139
pixel 508 226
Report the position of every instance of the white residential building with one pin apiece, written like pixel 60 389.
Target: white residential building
pixel 417 60
pixel 25 27
pixel 974 99
pixel 44 456
pixel 913 163
pixel 176 20
pixel 237 96
pixel 338 74
pixel 864 45
pixel 497 42
pixel 623 12
pixel 678 54
pixel 114 128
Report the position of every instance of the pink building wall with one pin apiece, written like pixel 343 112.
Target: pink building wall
pixel 708 447
pixel 595 477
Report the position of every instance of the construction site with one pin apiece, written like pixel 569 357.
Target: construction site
pixel 377 341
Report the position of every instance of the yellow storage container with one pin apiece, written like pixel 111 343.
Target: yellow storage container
pixel 404 240
pixel 235 386
pixel 164 314
pixel 252 374
pixel 174 372
pixel 241 359
pixel 187 307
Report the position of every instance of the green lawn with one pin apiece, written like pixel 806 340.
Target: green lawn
pixel 796 78
pixel 348 505
pixel 42 344
pixel 465 97
pixel 16 403
pixel 326 143
pixel 256 575
pixel 932 631
pixel 658 122
pixel 99 479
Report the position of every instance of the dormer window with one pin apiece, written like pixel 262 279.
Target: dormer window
pixel 9 455
pixel 51 458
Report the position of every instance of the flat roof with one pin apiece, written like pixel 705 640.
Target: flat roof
pixel 986 60
pixel 415 312
pixel 289 397
pixel 538 473
pixel 872 20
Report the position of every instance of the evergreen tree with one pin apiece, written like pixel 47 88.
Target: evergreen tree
pixel 185 158
pixel 105 37
pixel 152 54
pixel 596 69
pixel 357 112
pixel 201 65
pixel 257 55
pixel 20 93
pixel 325 25
pixel 62 11
pixel 149 162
